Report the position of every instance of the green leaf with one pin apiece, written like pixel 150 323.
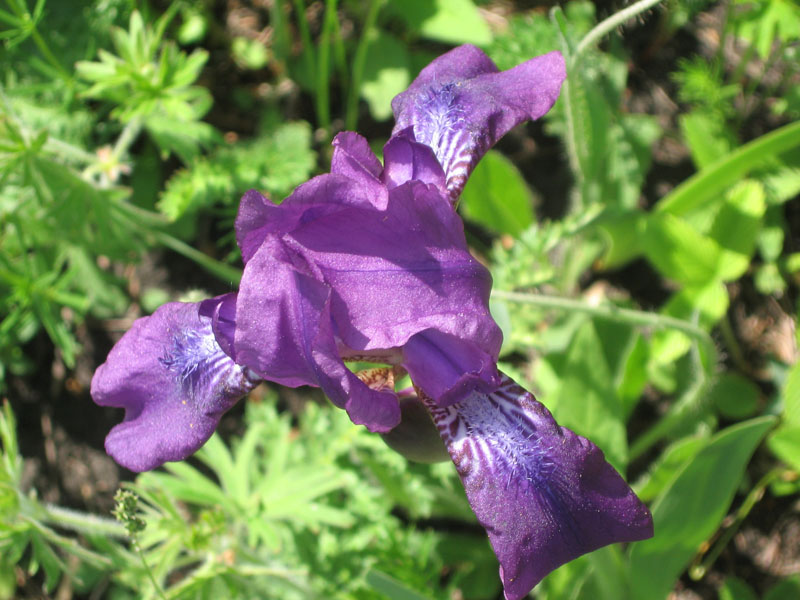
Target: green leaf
pixel 707 137
pixel 791 396
pixel 391 588
pixel 527 35
pixel 249 53
pixel 186 139
pixel 608 577
pixel 707 304
pixel 761 23
pixel 452 21
pixel 625 234
pixel 691 509
pixel 679 252
pixel 788 589
pixel 663 471
pixel 785 444
pixel 634 376
pixel 737 226
pixel 497 196
pixel 714 179
pixel 734 396
pixel 734 588
pixel 387 72
pixel 587 402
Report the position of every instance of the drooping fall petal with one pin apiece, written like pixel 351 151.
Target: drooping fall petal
pixel 174 381
pixel 544 494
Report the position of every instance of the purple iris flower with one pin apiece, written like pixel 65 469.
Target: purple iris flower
pixel 370 262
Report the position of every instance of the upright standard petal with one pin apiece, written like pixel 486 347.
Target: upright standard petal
pixel 174 381
pixel 285 334
pixel 460 105
pixel 406 160
pixel 544 494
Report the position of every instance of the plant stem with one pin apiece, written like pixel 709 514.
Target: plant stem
pixel 159 591
pixel 82 522
pixel 700 566
pixel 127 137
pixel 225 272
pixel 611 312
pixel 323 67
pixel 567 97
pixel 360 58
pixel 305 38
pixel 608 25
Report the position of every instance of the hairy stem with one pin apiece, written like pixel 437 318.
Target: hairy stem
pixel 611 312
pixel 82 522
pixel 608 25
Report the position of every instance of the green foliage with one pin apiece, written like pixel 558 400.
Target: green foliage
pixel 451 21
pixel 691 508
pixel 105 160
pixel 151 82
pixel 275 161
pixel 497 196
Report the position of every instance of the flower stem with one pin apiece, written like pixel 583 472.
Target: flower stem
pixel 148 570
pixel 213 266
pixel 305 38
pixel 323 67
pixel 81 522
pixel 611 312
pixel 127 137
pixel 360 58
pixel 608 25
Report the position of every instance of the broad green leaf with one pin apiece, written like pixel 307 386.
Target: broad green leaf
pixel 785 444
pixel 771 235
pixel 497 197
pixel 628 158
pixel 734 396
pixel 664 470
pixel 734 588
pixel 791 396
pixel 736 228
pixel 707 304
pixel 714 179
pixel 452 21
pixel 625 233
pixel 390 588
pixel 761 23
pixel 386 73
pixel 249 53
pixel 567 581
pixel 707 137
pixel 608 578
pixel 633 377
pixel 587 402
pixel 788 589
pixel 782 184
pixel 679 252
pixel 691 509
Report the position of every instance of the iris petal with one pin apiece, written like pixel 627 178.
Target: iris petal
pixel 461 105
pixel 544 494
pixel 407 160
pixel 285 334
pixel 174 381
